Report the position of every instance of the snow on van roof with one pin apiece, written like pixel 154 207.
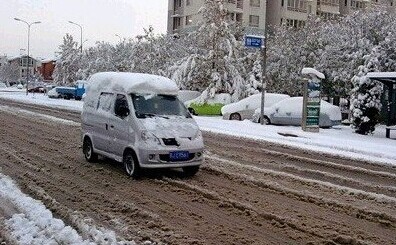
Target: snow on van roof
pixel 131 83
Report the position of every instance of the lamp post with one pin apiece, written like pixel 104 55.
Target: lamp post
pixel 28 49
pixel 119 37
pixel 81 36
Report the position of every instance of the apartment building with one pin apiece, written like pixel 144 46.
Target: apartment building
pixel 183 15
pixel 22 62
pixel 348 6
pixel 296 12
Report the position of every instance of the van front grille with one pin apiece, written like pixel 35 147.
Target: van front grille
pixel 170 141
pixel 166 158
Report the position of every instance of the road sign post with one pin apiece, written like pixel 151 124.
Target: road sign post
pixel 259 42
pixel 311 105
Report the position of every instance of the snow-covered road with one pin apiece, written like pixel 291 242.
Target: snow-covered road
pixel 30 222
pixel 340 140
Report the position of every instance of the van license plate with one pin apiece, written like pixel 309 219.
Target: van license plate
pixel 179 155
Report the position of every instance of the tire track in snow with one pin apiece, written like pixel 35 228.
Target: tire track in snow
pixel 381 217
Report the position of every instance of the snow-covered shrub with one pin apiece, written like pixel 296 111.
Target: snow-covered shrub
pixel 365 104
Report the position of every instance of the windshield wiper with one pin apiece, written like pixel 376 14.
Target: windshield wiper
pixel 145 115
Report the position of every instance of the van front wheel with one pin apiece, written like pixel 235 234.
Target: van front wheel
pixel 131 165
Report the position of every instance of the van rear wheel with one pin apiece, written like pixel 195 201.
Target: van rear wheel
pixel 88 151
pixel 190 171
pixel 131 165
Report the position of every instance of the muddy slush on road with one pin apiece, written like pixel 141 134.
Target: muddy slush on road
pixel 247 192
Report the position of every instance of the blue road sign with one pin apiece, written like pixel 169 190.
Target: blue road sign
pixel 254 41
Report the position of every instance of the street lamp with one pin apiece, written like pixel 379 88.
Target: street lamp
pixel 28 60
pixel 119 37
pixel 81 41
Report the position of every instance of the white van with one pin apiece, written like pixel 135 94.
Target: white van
pixel 137 119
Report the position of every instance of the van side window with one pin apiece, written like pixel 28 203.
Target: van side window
pixel 121 108
pixel 105 102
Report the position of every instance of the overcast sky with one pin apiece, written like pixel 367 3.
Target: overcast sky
pixel 101 21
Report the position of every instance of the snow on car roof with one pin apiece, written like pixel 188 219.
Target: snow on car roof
pixel 131 83
pixel 381 75
pixel 254 101
pixel 307 71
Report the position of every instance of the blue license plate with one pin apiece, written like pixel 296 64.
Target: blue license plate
pixel 179 155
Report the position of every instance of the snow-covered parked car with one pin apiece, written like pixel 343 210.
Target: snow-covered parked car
pixel 289 112
pixel 19 86
pixel 186 95
pixel 211 106
pixel 53 94
pixel 245 108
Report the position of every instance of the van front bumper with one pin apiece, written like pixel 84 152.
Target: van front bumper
pixel 161 158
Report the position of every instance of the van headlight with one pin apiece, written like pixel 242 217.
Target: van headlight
pixel 198 135
pixel 149 137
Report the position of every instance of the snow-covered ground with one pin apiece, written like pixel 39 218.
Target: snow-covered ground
pixel 31 222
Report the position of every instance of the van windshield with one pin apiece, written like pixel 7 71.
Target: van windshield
pixel 157 105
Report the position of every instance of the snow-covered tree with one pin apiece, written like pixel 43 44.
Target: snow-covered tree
pixel 217 63
pixel 366 98
pixel 69 62
pixel 9 73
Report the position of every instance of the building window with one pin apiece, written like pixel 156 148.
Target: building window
pixel 177 4
pixel 254 20
pixel 231 16
pixel 294 23
pixel 238 17
pixel 329 2
pixel 297 5
pixel 176 23
pixel 188 20
pixel 239 4
pixel 358 4
pixel 255 3
pixel 188 3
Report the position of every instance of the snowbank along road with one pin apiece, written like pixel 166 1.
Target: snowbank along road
pixel 247 192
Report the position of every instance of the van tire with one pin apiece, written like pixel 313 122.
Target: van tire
pixel 190 171
pixel 88 151
pixel 131 165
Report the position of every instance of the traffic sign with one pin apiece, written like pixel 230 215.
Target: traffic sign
pixel 254 41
